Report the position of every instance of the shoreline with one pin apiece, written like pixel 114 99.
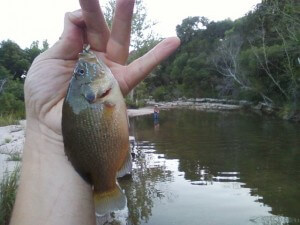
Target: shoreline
pixel 205 104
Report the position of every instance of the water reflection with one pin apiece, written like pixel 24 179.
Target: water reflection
pixel 274 220
pixel 148 183
pixel 225 155
pixel 156 124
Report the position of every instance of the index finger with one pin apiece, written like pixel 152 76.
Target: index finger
pixel 97 31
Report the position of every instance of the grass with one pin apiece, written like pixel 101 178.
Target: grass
pixel 16 156
pixel 10 119
pixel 7 140
pixel 8 190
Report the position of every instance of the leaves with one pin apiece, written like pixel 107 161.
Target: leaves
pixel 14 63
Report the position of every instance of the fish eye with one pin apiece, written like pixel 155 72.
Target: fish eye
pixel 81 71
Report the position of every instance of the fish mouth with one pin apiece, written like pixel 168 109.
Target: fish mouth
pixel 105 93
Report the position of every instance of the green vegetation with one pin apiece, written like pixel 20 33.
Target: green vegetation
pixel 10 119
pixel 134 104
pixel 7 140
pixel 15 156
pixel 256 58
pixel 14 64
pixel 8 190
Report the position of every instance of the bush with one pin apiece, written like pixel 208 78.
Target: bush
pixel 10 119
pixel 161 94
pixel 11 105
pixel 289 112
pixel 134 104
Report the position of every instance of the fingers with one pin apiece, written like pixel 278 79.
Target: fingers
pixel 118 44
pixel 97 32
pixel 71 40
pixel 141 67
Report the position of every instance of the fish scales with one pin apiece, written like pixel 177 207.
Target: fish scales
pixel 95 130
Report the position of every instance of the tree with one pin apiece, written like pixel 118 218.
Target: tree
pixel 275 48
pixel 141 26
pixel 226 59
pixel 14 63
pixel 13 58
pixel 142 36
pixel 4 76
pixel 189 28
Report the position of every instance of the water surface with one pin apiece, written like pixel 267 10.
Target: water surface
pixel 214 168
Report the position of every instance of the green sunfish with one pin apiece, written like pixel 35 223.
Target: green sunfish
pixel 95 131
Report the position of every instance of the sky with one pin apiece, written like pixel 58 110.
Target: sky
pixel 24 21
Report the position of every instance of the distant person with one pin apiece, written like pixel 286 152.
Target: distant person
pixel 156 112
pixel 156 117
pixel 50 190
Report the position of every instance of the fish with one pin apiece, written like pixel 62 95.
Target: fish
pixel 95 131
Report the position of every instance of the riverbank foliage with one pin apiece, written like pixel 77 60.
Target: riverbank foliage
pixel 14 64
pixel 256 57
pixel 11 119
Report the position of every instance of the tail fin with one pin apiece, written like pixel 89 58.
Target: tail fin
pixel 109 201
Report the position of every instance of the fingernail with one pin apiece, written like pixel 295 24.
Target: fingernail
pixel 77 13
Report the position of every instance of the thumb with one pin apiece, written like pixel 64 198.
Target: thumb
pixel 71 41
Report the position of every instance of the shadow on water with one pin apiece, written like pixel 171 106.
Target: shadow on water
pixel 249 155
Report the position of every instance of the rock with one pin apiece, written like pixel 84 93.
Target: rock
pixel 268 110
pixel 16 129
pixel 258 106
pixel 244 103
pixel 11 142
pixel 198 100
pixel 22 123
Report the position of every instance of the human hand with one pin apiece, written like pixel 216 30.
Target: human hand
pixel 49 76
